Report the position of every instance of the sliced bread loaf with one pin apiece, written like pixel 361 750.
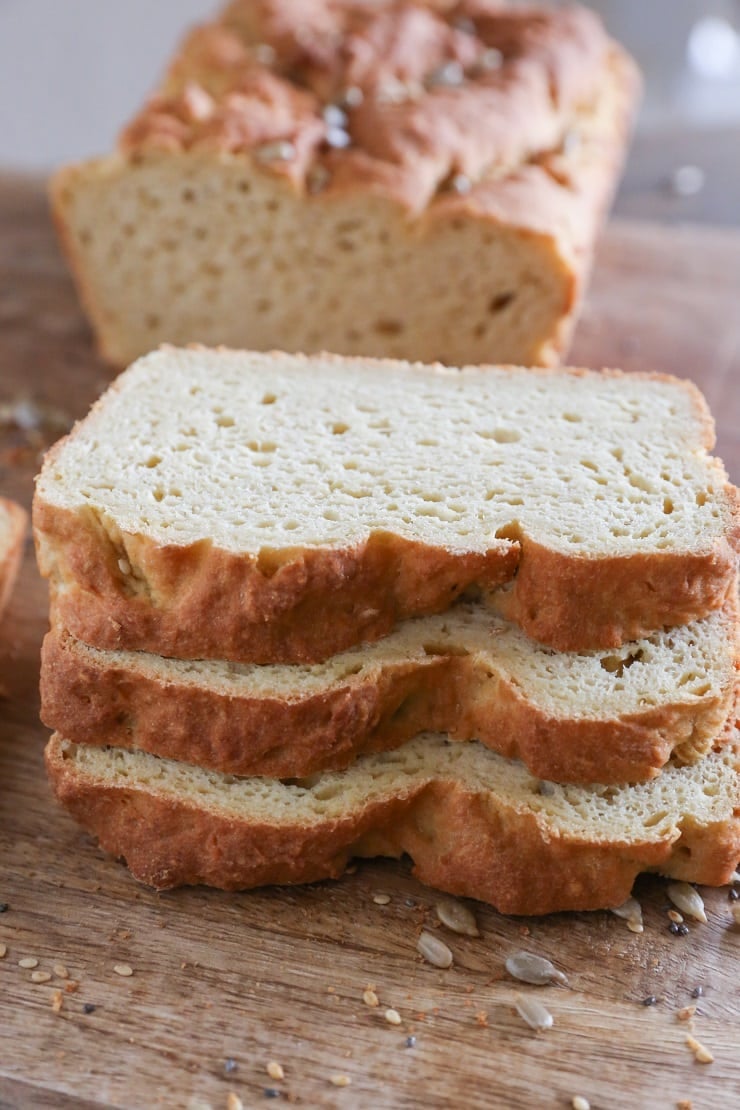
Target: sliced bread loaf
pixel 13 524
pixel 274 508
pixel 609 716
pixel 474 824
pixel 407 179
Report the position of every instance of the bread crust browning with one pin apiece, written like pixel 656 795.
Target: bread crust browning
pixel 466 842
pixel 105 702
pixel 321 601
pixel 11 546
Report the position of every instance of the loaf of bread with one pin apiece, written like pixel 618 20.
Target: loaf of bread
pixel 13 524
pixel 274 508
pixel 418 179
pixel 473 823
pixel 615 716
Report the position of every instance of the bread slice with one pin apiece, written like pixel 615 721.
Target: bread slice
pixel 275 508
pixel 474 824
pixel 13 524
pixel 412 180
pixel 614 716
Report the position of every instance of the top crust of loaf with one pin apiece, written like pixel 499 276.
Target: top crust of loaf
pixel 274 508
pixel 420 101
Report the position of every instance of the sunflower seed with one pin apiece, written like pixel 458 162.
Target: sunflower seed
pixel 457 916
pixel 275 152
pixel 533 1012
pixel 687 900
pixel 631 911
pixel 434 950
pixel 534 969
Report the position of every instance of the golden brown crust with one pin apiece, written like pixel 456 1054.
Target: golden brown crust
pixel 13 525
pixel 111 703
pixel 203 602
pixel 466 842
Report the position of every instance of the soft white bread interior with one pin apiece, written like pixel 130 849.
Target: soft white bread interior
pixel 13 525
pixel 274 508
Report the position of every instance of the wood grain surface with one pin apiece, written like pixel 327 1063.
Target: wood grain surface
pixel 222 984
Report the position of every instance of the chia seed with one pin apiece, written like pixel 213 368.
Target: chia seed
pixel 678 930
pixel 271 1092
pixel 697 992
pixel 732 894
pixel 88 1008
pixel 230 1065
pixel 651 1000
pixel 411 1042
pixel 4 907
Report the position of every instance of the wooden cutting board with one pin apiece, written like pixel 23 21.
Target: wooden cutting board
pixel 223 984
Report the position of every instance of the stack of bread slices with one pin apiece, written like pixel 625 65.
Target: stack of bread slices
pixel 310 609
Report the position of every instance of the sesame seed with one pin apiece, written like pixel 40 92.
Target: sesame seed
pixel 124 566
pixel 381 899
pixel 674 915
pixel 580 1103
pixel 533 1012
pixel 274 1070
pixel 57 1001
pixel 702 1055
pixel 60 971
pixel 3 951
pixel 393 1017
pixel 123 969
pixel 736 913
pixel 40 976
pixel 340 1080
pixel 686 1013
pixel 88 1008
pixel 28 962
pixel 233 1102
pixel 370 998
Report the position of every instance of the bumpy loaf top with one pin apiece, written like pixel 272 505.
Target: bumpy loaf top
pixel 419 100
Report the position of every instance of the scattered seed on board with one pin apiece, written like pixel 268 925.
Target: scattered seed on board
pixel 393 1017
pixel 631 911
pixel 57 1001
pixel 370 998
pixel 381 899
pixel 60 971
pixel 580 1103
pixel 340 1080
pixel 88 1008
pixel 651 1000
pixel 697 992
pixel 529 968
pixel 457 916
pixel 674 915
pixel 28 962
pixel 411 1042
pixel 230 1065
pixel 686 1013
pixel 678 930
pixel 123 969
pixel 275 1070
pixel 687 900
pixel 233 1102
pixel 3 951
pixel 533 1012
pixel 40 976
pixel 735 911
pixel 702 1055
pixel 434 950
